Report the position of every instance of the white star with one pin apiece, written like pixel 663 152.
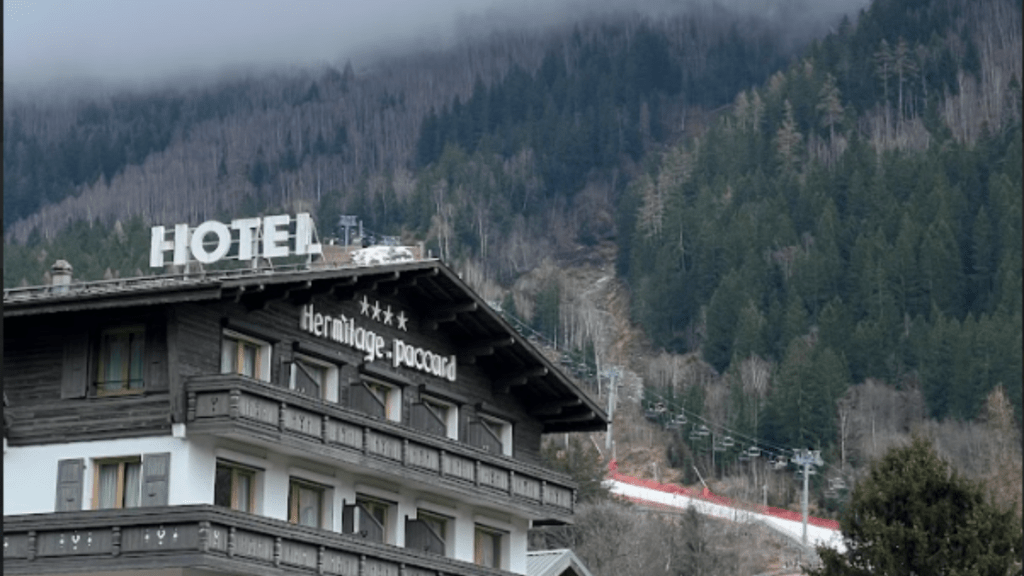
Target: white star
pixel 402 320
pixel 376 310
pixel 364 306
pixel 388 315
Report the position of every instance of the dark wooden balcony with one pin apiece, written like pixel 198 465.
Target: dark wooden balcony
pixel 231 406
pixel 204 538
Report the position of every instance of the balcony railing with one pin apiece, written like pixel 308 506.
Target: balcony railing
pixel 204 537
pixel 230 404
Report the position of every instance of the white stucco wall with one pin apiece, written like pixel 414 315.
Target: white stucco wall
pixel 30 472
pixel 30 484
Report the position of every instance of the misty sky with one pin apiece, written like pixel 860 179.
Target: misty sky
pixel 126 42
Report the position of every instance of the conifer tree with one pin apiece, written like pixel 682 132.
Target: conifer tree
pixel 911 515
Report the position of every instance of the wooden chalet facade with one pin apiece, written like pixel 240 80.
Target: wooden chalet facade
pixel 356 421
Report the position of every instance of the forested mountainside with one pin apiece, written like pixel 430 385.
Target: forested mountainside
pixel 351 142
pixel 826 229
pixel 875 236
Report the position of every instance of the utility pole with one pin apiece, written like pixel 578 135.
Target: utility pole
pixel 806 458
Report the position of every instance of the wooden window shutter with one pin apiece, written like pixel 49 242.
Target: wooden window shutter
pixel 362 399
pixel 419 536
pixel 304 382
pixel 70 474
pixel 75 376
pixel 155 354
pixel 155 475
pixel 369 527
pixel 423 418
pixel 348 518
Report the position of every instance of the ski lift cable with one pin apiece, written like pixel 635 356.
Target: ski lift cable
pixel 763 445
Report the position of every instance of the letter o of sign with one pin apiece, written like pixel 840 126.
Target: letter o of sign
pixel 223 241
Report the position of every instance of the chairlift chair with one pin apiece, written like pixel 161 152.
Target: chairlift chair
pixel 753 452
pixel 728 442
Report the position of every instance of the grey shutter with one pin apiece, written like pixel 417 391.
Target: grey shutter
pixel 481 436
pixel 423 418
pixel 69 484
pixel 304 382
pixel 155 355
pixel 360 398
pixel 348 520
pixel 155 475
pixel 369 528
pixel 75 377
pixel 419 536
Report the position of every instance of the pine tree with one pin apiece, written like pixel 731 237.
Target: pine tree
pixel 911 515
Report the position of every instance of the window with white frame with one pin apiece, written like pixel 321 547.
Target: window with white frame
pixel 308 503
pixel 435 416
pixel 491 434
pixel 235 486
pixel 430 532
pixel 490 546
pixel 371 518
pixel 245 355
pixel 377 398
pixel 119 366
pixel 314 377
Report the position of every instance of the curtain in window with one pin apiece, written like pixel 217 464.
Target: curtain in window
pixel 132 484
pixel 309 507
pixel 107 491
pixel 135 370
pixel 244 482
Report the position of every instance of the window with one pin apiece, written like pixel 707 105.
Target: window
pixel 435 417
pixel 491 434
pixel 118 483
pixel 235 487
pixel 314 378
pixel 306 503
pixel 378 399
pixel 487 546
pixel 120 362
pixel 246 356
pixel 429 532
pixel 369 518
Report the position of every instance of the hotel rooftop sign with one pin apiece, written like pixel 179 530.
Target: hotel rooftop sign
pixel 244 239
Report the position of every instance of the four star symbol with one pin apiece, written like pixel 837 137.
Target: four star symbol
pixel 376 311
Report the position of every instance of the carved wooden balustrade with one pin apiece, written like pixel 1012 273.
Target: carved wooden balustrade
pixel 239 407
pixel 204 537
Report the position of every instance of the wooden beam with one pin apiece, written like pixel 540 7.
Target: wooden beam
pixel 451 310
pixel 581 417
pixel 300 294
pixel 555 408
pixel 503 385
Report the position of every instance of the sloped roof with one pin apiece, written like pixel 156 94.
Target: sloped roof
pixel 563 562
pixel 483 337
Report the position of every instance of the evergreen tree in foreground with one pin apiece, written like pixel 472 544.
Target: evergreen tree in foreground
pixel 911 515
